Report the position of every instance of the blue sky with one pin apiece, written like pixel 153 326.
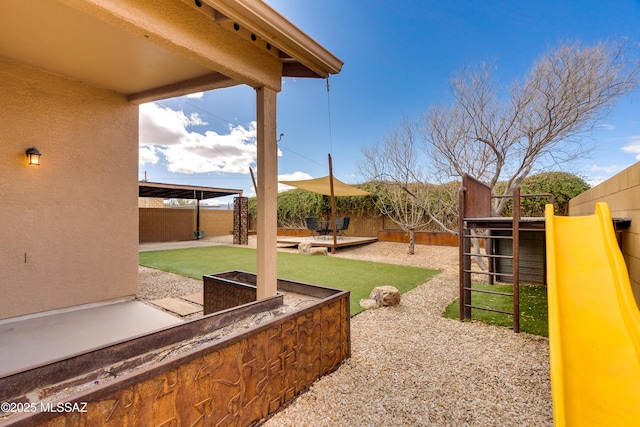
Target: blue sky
pixel 399 57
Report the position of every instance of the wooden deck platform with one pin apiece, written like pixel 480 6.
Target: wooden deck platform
pixel 325 242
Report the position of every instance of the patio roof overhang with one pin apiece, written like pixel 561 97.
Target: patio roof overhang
pixel 150 51
pixel 174 191
pixel 145 51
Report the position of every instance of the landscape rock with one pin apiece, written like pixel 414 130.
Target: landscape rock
pixel 369 303
pixel 318 251
pixel 385 295
pixel 304 247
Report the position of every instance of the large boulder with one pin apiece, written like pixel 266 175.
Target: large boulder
pixel 318 251
pixel 385 295
pixel 369 303
pixel 304 247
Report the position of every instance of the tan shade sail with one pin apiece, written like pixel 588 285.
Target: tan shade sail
pixel 322 186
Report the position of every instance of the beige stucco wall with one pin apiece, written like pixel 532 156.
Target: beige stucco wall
pixel 68 228
pixel 622 193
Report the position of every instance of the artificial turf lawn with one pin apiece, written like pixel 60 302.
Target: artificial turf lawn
pixel 533 307
pixel 359 277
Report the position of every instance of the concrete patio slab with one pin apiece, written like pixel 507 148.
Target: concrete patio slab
pixel 36 341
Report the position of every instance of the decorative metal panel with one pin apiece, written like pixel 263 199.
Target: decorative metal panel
pixel 239 384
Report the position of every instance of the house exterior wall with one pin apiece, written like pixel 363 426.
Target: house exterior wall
pixel 622 193
pixel 69 226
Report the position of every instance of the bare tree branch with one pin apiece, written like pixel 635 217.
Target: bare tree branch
pixel 542 121
pixel 401 192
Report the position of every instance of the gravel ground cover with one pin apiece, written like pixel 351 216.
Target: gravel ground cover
pixel 412 367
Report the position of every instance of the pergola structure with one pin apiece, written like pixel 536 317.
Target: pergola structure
pixel 74 73
pixel 332 187
pixel 190 192
pixel 177 191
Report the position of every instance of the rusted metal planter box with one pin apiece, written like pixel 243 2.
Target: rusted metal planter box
pixel 234 288
pixel 239 379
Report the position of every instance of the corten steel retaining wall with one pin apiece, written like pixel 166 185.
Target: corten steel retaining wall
pixel 238 380
pixel 384 230
pixel 178 224
pixel 622 193
pixel 421 237
pixel 397 236
pixel 169 225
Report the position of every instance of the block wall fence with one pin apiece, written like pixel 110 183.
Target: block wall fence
pixel 174 225
pixel 169 225
pixel 622 193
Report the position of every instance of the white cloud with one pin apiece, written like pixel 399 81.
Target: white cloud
pixel 197 95
pixel 161 126
pixel 595 181
pixel 610 169
pixel 164 131
pixel 602 173
pixel 633 146
pixel 295 176
pixel 196 120
pixel 147 154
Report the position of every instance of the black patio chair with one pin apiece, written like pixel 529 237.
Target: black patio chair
pixel 343 226
pixel 316 226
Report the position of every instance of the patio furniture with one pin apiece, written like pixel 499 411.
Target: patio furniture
pixel 342 224
pixel 319 227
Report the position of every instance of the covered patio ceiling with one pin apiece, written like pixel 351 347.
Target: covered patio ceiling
pixel 173 191
pixel 105 44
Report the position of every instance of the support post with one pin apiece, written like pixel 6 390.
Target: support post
pixel 240 221
pixel 333 208
pixel 198 219
pixel 267 194
pixel 516 259
pixel 462 258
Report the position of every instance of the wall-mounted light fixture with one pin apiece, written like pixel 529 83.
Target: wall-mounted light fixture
pixel 34 156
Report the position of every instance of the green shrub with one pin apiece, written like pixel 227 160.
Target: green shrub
pixel 296 205
pixel 564 186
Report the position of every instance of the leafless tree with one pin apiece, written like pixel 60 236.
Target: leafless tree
pixel 542 120
pixel 400 192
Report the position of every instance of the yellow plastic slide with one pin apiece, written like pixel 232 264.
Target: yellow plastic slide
pixel 594 323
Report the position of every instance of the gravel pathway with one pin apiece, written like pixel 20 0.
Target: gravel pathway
pixel 412 367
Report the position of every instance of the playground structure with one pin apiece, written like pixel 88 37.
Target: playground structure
pixel 594 320
pixel 594 323
pixel 501 237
